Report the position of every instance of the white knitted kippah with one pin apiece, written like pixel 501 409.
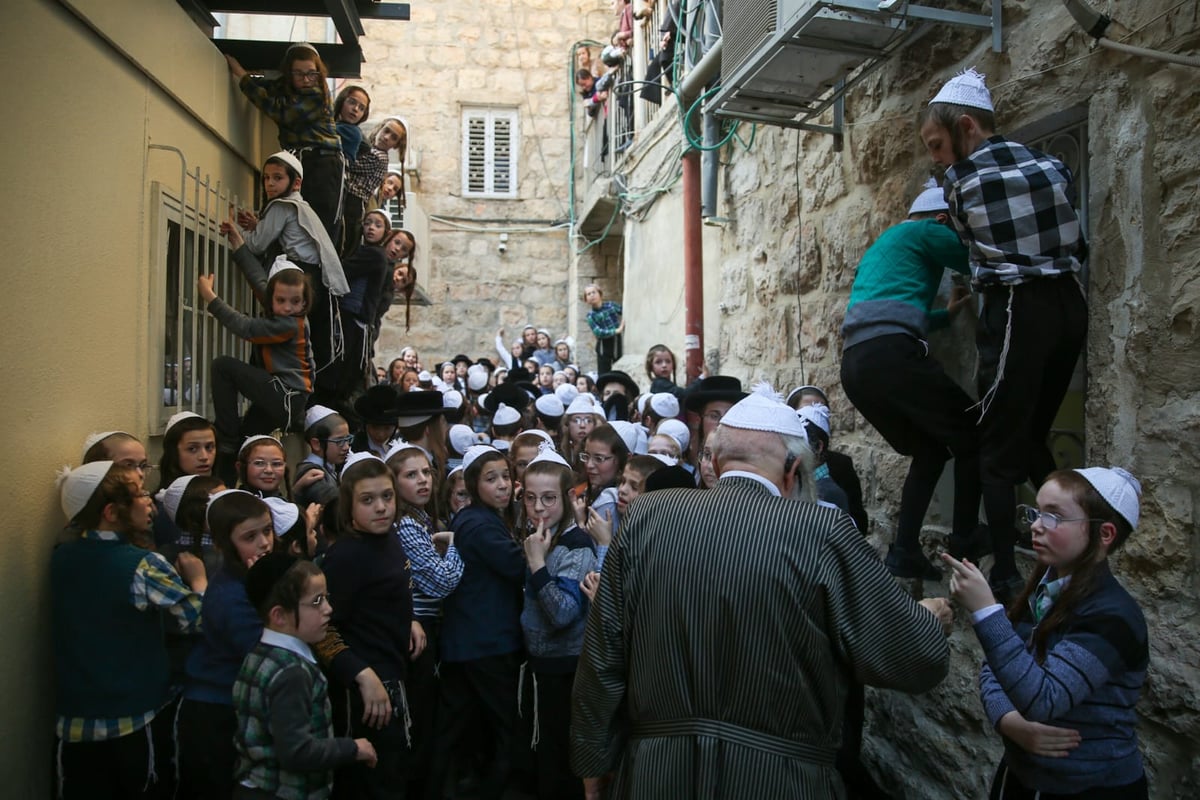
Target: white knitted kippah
pixel 98 436
pixel 664 404
pixel 281 263
pixel 1119 489
pixel 253 440
pixel 505 415
pixel 315 414
pixel 633 434
pixel 931 199
pixel 175 419
pixel 567 394
pixel 462 438
pixel 546 452
pixel 763 410
pixel 584 404
pixel 452 398
pixel 473 453
pixel 549 405
pixel 215 496
pixel 284 514
pixel 173 494
pixel 290 160
pixel 965 89
pixel 817 414
pixel 355 458
pixel 78 485
pixel 677 430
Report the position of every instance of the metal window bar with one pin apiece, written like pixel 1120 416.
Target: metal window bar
pixel 647 46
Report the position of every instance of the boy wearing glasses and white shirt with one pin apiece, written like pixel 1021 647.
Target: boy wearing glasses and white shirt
pixel 328 437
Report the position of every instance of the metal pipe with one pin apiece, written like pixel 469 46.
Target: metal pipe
pixel 701 75
pixel 708 167
pixel 693 268
pixel 1145 52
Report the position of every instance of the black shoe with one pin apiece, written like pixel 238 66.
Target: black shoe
pixel 1006 589
pixel 973 547
pixel 910 564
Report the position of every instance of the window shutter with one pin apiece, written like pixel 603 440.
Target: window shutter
pixel 489 152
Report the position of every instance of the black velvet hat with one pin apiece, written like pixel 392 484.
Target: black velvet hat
pixel 715 387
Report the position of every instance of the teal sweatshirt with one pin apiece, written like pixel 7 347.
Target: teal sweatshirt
pixel 898 279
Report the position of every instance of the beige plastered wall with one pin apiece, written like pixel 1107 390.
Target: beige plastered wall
pixel 81 306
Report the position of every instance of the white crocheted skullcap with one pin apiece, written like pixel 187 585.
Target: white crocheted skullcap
pixel 401 445
pixel 817 414
pixel 664 404
pixel 501 445
pixel 424 376
pixel 931 199
pixel 76 486
pixel 315 414
pixel 677 430
pixel 633 434
pixel 965 89
pixel 505 415
pixel 666 459
pixel 281 263
pixel 462 438
pixel 542 435
pixel 1118 488
pixel 550 405
pixel 99 436
pixel 763 410
pixel 175 419
pixel 288 158
pixel 584 404
pixel 547 453
pixel 641 402
pixel 477 379
pixel 215 496
pixel 284 514
pixel 808 387
pixel 452 398
pixel 252 440
pixel 171 496
pixel 567 394
pixel 474 452
pixel 355 458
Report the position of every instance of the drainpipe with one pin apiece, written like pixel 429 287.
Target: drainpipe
pixel 712 128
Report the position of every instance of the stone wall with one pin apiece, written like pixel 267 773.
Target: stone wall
pixel 786 263
pixel 480 53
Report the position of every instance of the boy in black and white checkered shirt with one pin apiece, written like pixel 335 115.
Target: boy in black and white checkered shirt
pixel 1010 206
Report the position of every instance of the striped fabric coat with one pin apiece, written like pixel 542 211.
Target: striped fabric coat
pixel 725 631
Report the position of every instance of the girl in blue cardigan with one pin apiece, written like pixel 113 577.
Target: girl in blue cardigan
pixel 1065 666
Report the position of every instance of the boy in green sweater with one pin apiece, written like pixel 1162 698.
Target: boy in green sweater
pixel 891 379
pixel 284 738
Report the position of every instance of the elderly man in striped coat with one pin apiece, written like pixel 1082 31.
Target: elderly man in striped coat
pixel 729 624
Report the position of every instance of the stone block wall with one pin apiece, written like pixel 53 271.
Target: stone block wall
pixel 787 258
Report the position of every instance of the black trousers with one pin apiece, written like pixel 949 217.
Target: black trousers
pixel 555 781
pixel 907 396
pixel 423 688
pixel 206 752
pixel 352 220
pixel 137 765
pixel 608 350
pixel 1030 335
pixel 388 779
pixel 270 404
pixel 1005 786
pixel 484 691
pixel 324 173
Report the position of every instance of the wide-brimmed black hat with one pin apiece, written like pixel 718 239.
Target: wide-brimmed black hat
pixel 724 388
pixel 486 362
pixel 519 374
pixel 616 376
pixel 462 359
pixel 675 477
pixel 416 407
pixel 379 405
pixel 510 394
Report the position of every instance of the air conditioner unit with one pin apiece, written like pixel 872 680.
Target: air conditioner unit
pixel 782 59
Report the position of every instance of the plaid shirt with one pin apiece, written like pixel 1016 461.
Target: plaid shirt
pixel 604 320
pixel 364 176
pixel 1009 205
pixel 305 118
pixel 434 576
pixel 155 585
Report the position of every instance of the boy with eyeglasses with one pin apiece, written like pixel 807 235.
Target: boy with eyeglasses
pixel 284 738
pixel 328 437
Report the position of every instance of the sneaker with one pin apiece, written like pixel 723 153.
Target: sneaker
pixel 911 565
pixel 1006 589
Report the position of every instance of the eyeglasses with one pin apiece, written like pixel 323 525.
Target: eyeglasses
pixel 1028 515
pixel 340 441
pixel 260 463
pixel 311 75
pixel 581 421
pixel 545 499
pixel 144 466
pixel 586 458
pixel 319 600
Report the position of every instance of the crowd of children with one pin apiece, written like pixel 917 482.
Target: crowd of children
pixel 401 610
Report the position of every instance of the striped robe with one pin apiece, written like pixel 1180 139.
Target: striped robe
pixel 726 628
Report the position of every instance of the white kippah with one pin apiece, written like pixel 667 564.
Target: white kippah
pixel 288 158
pixel 315 414
pixel 763 410
pixel 677 430
pixel 99 436
pixel 396 447
pixel 452 398
pixel 78 485
pixel 477 378
pixel 666 459
pixel 474 452
pixel 965 89
pixel 173 494
pixel 215 496
pixel 261 437
pixel 547 453
pixel 664 404
pixel 632 434
pixel 462 437
pixel 817 414
pixel 550 405
pixel 355 458
pixel 424 376
pixel 506 415
pixel 542 435
pixel 284 514
pixel 584 404
pixel 281 263
pixel 175 419
pixel 566 394
pixel 931 199
pixel 1118 488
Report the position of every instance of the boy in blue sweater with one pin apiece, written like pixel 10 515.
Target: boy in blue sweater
pixel 891 379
